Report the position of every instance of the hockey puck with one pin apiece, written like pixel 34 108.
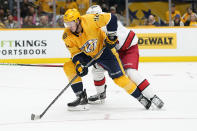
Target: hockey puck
pixel 35 117
pixel 32 116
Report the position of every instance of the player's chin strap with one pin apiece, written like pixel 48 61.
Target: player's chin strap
pixel 36 117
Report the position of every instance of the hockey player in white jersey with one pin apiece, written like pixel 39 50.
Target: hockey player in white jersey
pixel 129 55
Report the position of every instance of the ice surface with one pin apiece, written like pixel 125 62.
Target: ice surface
pixel 27 90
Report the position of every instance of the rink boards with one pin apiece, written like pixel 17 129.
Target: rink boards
pixel 157 44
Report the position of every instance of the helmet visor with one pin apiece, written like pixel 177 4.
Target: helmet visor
pixel 70 24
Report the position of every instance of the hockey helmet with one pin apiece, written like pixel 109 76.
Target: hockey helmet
pixel 95 9
pixel 71 15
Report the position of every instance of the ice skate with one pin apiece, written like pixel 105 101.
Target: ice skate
pixel 99 98
pixel 157 101
pixel 80 104
pixel 144 101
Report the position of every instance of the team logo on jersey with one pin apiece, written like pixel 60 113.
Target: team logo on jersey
pixel 89 46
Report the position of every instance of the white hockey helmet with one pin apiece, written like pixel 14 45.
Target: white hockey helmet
pixel 95 9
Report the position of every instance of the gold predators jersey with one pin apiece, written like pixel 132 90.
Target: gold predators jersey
pixel 91 39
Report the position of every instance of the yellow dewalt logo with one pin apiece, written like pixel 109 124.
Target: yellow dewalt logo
pixel 157 40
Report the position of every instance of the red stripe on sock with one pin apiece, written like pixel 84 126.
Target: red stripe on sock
pixel 99 83
pixel 143 85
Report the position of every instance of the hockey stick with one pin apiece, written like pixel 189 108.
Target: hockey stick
pixel 36 117
pixel 12 64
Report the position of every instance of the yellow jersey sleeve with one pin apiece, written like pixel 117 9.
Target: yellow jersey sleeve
pixel 102 19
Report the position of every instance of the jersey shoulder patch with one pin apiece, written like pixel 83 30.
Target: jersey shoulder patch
pixel 65 34
pixel 67 37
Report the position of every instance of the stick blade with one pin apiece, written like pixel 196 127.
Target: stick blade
pixel 35 117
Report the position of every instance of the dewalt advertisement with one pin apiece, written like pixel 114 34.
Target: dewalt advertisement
pixel 157 40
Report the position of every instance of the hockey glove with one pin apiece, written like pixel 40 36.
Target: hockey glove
pixel 81 70
pixel 111 41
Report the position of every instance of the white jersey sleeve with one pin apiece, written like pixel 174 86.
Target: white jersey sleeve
pixel 126 37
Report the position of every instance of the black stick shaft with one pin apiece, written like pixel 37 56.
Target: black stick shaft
pixel 87 65
pixel 58 96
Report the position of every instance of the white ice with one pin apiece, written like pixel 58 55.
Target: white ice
pixel 26 90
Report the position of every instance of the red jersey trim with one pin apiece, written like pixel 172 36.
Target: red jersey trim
pixel 128 41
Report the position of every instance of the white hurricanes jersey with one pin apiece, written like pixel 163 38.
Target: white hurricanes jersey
pixel 123 33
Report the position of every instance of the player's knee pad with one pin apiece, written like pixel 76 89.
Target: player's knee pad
pixel 98 72
pixel 124 82
pixel 69 69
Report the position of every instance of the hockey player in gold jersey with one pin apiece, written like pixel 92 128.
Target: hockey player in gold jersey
pixel 84 39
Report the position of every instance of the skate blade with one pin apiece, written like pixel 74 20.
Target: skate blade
pixel 102 101
pixel 158 107
pixel 154 107
pixel 78 108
